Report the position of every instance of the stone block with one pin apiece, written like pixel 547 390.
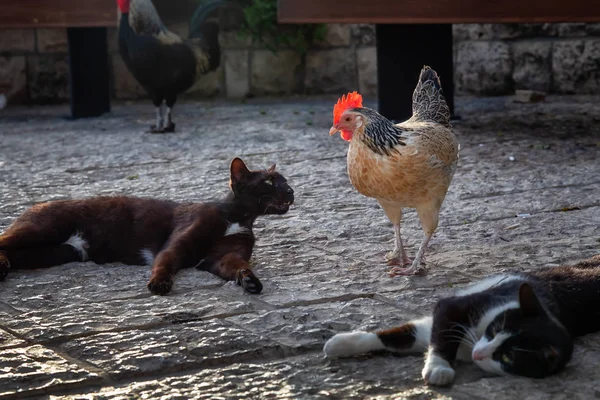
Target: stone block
pixel 366 61
pixel 337 35
pixel 593 29
pixel 483 68
pixel 17 40
pixel 331 71
pixel 38 368
pixel 363 34
pixel 13 78
pixel 462 32
pixel 125 85
pixel 173 347
pixel 532 65
pixel 274 73
pixel 52 40
pixel 234 40
pixel 575 66
pixel 48 78
pixel 237 79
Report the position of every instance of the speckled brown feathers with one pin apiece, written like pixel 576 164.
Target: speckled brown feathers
pixel 410 164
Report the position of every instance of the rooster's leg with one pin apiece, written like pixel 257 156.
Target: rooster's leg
pixel 158 128
pixel 170 127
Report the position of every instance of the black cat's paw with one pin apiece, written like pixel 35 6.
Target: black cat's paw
pixel 249 281
pixel 4 267
pixel 160 286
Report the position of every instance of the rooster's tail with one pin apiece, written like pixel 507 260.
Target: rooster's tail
pixel 204 27
pixel 428 99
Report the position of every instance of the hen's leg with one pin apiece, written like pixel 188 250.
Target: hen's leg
pixel 394 213
pixel 429 220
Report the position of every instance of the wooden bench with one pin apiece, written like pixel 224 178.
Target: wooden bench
pixel 411 33
pixel 86 22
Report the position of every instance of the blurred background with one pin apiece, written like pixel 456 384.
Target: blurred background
pixel 490 59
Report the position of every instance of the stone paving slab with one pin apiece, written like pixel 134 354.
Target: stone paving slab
pixel 84 331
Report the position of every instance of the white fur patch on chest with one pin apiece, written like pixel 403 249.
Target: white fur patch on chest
pixel 235 228
pixel 148 256
pixel 79 244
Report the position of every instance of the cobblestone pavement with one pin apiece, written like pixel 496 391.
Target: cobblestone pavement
pixel 82 331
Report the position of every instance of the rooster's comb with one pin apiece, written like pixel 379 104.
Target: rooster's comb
pixel 351 100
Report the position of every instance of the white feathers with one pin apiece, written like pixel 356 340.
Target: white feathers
pixel 79 244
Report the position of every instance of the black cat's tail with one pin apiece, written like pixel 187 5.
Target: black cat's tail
pixel 412 337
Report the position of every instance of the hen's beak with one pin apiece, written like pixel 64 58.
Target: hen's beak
pixel 334 129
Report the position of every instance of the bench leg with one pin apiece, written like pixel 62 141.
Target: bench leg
pixel 88 72
pixel 402 50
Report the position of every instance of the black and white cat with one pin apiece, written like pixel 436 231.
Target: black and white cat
pixel 520 324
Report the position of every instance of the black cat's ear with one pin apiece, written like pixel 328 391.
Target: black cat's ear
pixel 271 168
pixel 238 169
pixel 529 302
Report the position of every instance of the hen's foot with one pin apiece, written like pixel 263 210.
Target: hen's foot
pixel 398 271
pixel 169 128
pixel 155 129
pixel 395 258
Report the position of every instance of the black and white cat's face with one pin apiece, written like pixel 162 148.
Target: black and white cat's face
pixel 265 192
pixel 524 341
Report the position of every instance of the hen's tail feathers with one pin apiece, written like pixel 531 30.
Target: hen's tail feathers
pixel 412 337
pixel 428 99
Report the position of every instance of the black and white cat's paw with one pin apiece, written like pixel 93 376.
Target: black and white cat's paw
pixel 349 344
pixel 249 281
pixel 437 371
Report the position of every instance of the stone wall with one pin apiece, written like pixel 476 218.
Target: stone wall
pixel 495 59
pixel 489 60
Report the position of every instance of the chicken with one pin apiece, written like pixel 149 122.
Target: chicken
pixel 162 62
pixel 410 164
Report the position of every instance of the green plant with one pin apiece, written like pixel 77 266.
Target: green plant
pixel 261 25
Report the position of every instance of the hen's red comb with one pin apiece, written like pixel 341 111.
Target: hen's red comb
pixel 351 100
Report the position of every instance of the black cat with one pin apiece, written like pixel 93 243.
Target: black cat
pixel 216 237
pixel 521 324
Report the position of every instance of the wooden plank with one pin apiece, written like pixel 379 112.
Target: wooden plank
pixel 437 11
pixel 57 13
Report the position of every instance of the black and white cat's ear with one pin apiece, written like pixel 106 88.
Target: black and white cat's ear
pixel 529 302
pixel 238 170
pixel 271 168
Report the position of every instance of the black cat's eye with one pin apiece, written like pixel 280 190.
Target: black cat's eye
pixel 269 182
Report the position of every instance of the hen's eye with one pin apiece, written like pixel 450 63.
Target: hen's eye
pixel 269 182
pixel 347 119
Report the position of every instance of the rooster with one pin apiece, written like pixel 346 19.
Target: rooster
pixel 162 62
pixel 410 164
